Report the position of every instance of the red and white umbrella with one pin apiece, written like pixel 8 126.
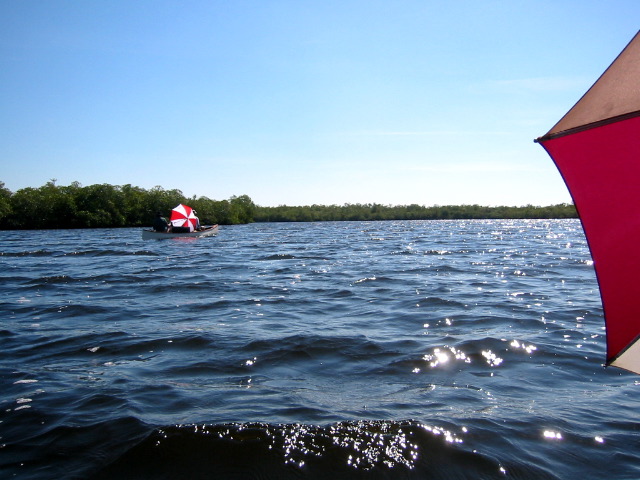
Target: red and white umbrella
pixel 183 216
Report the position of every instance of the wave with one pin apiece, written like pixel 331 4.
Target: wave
pixel 29 253
pixel 319 341
pixel 357 449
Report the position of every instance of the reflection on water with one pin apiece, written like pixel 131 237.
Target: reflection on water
pixel 451 349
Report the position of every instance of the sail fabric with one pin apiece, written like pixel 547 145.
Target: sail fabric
pixel 183 216
pixel 614 95
pixel 596 147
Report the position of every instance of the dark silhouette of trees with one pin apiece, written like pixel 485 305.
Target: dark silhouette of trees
pixel 103 205
pixel 319 213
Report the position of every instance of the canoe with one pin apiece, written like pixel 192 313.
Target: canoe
pixel 153 235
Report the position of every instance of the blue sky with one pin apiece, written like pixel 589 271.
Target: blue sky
pixel 300 102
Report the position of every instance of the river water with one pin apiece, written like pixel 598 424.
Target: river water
pixel 413 349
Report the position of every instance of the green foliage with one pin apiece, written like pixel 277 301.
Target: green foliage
pixel 5 201
pixel 242 209
pixel 98 206
pixel 319 213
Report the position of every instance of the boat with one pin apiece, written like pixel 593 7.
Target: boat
pixel 149 234
pixel 596 147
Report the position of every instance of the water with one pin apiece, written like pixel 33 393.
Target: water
pixel 446 350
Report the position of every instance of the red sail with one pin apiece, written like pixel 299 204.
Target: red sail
pixel 596 147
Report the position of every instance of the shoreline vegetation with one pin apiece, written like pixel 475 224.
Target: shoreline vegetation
pixel 108 206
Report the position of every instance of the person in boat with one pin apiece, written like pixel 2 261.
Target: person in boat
pixel 198 226
pixel 160 224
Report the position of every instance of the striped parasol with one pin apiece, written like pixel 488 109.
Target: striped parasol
pixel 183 216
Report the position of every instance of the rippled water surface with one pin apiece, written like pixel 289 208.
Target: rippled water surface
pixel 447 350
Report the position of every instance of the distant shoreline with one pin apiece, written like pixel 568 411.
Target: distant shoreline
pixel 372 212
pixel 108 206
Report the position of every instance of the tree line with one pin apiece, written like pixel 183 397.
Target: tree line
pixel 374 211
pixel 103 205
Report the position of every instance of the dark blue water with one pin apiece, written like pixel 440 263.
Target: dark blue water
pixel 446 350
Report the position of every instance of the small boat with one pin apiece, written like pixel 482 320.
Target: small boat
pixel 148 234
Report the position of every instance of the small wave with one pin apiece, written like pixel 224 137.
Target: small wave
pixel 440 302
pixel 71 310
pixel 374 279
pixel 30 253
pixel 311 345
pixel 280 256
pixel 358 449
pixel 81 279
pixel 111 253
pixel 73 453
pixel 122 345
pixel 404 252
pixel 54 279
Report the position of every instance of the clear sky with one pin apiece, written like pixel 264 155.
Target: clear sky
pixel 299 102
